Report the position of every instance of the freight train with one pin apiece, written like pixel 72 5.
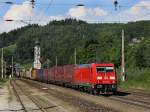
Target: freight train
pixel 95 78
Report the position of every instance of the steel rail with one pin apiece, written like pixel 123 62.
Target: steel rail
pixel 18 97
pixel 132 102
pixel 35 101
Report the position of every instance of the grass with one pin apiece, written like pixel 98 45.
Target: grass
pixel 2 81
pixel 136 78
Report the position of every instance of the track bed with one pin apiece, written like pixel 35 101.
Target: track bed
pixel 122 102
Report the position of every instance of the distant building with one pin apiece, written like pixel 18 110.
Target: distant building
pixel 136 40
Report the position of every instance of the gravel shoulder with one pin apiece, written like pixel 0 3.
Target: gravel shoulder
pixel 47 101
pixel 8 100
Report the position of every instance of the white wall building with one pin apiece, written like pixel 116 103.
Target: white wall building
pixel 37 56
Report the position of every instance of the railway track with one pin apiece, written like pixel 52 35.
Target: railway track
pixel 84 105
pixel 140 93
pixel 134 97
pixel 130 99
pixel 20 93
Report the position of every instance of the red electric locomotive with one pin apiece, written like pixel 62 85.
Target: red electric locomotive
pixel 96 77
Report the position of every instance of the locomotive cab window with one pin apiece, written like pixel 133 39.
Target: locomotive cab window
pixel 109 69
pixel 104 69
pixel 100 69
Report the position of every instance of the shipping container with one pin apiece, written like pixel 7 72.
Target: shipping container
pixel 68 73
pixel 51 76
pixel 34 74
pixel 28 74
pixel 40 74
pixel 59 71
pixel 46 73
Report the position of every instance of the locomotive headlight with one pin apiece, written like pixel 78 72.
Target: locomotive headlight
pixel 112 77
pixel 99 77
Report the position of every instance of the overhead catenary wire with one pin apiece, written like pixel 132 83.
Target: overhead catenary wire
pixel 91 21
pixel 65 4
pixel 50 3
pixel 25 21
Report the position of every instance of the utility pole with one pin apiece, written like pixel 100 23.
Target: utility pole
pixel 48 61
pixel 12 68
pixel 75 56
pixel 123 58
pixel 2 64
pixel 5 68
pixel 56 61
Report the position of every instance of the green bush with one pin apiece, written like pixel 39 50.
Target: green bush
pixel 137 78
pixel 2 81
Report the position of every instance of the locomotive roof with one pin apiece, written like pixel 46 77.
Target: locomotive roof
pixel 99 64
pixel 84 65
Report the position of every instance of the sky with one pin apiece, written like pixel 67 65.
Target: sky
pixel 93 11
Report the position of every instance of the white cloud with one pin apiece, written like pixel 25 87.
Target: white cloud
pixel 140 11
pixel 22 15
pixel 8 26
pixel 25 12
pixel 139 8
pixel 82 11
pixel 17 12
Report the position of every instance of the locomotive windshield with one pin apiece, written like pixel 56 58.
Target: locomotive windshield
pixel 100 69
pixel 109 69
pixel 104 69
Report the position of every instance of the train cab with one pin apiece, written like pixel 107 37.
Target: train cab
pixel 104 77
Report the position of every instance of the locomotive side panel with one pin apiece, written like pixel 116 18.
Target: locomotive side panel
pixel 82 75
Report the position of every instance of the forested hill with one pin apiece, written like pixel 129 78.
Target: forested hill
pixel 93 42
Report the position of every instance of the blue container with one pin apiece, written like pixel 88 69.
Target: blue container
pixel 40 74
